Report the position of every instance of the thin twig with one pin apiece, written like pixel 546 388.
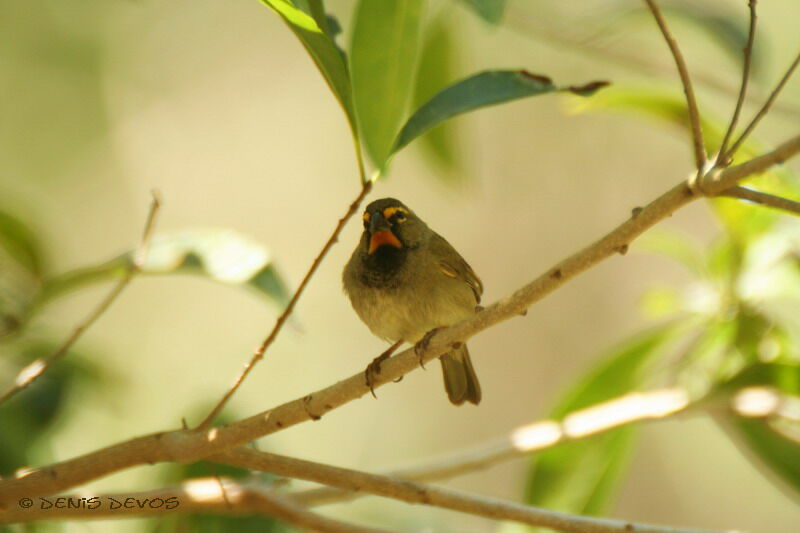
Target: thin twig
pixel 622 56
pixel 259 353
pixel 763 198
pixel 764 109
pixel 419 493
pixel 193 445
pixel 31 372
pixel 748 53
pixel 686 81
pixel 534 437
pixel 206 495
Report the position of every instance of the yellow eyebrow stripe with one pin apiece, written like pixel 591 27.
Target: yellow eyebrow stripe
pixel 389 211
pixel 366 216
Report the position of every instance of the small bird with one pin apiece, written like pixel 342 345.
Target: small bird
pixel 405 281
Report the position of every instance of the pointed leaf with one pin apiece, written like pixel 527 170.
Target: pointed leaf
pixel 779 453
pixel 320 45
pixel 383 61
pixel 482 90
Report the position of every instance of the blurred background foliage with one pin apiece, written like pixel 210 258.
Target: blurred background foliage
pixel 102 101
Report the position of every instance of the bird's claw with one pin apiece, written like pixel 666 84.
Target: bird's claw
pixel 422 345
pixel 373 369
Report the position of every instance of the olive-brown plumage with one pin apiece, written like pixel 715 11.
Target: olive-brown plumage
pixel 405 280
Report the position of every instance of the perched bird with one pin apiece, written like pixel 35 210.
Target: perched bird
pixel 405 281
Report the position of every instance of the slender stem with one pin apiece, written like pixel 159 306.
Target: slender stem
pixel 763 198
pixel 419 493
pixel 748 54
pixel 764 109
pixel 259 353
pixel 31 372
pixel 686 81
pixel 543 29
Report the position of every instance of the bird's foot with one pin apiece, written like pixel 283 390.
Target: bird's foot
pixel 423 343
pixel 374 368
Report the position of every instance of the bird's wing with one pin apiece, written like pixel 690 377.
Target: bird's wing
pixel 453 265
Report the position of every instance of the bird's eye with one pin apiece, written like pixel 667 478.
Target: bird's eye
pixel 399 217
pixel 366 218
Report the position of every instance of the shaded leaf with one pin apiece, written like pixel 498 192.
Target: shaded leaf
pixel 320 45
pixel 489 10
pixel 20 271
pixel 482 90
pixel 33 412
pixel 779 453
pixel 220 255
pixel 784 377
pixel 382 60
pixel 581 476
pixel 20 243
pixel 436 70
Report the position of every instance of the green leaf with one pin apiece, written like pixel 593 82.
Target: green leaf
pixel 581 476
pixel 20 243
pixel 777 452
pixel 20 272
pixel 382 61
pixel 220 255
pixel 482 90
pixel 489 10
pixel 784 377
pixel 436 70
pixel 33 412
pixel 323 50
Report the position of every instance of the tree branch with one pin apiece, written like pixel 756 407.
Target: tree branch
pixel 31 372
pixel 191 445
pixel 748 53
pixel 207 495
pixel 419 493
pixel 523 440
pixel 764 109
pixel 366 187
pixel 763 198
pixel 686 82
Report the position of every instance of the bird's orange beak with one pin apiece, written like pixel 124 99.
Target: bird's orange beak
pixel 379 238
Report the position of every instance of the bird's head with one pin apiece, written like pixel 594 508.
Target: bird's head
pixel 389 223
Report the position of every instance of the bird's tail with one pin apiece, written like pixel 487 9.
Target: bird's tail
pixel 460 380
